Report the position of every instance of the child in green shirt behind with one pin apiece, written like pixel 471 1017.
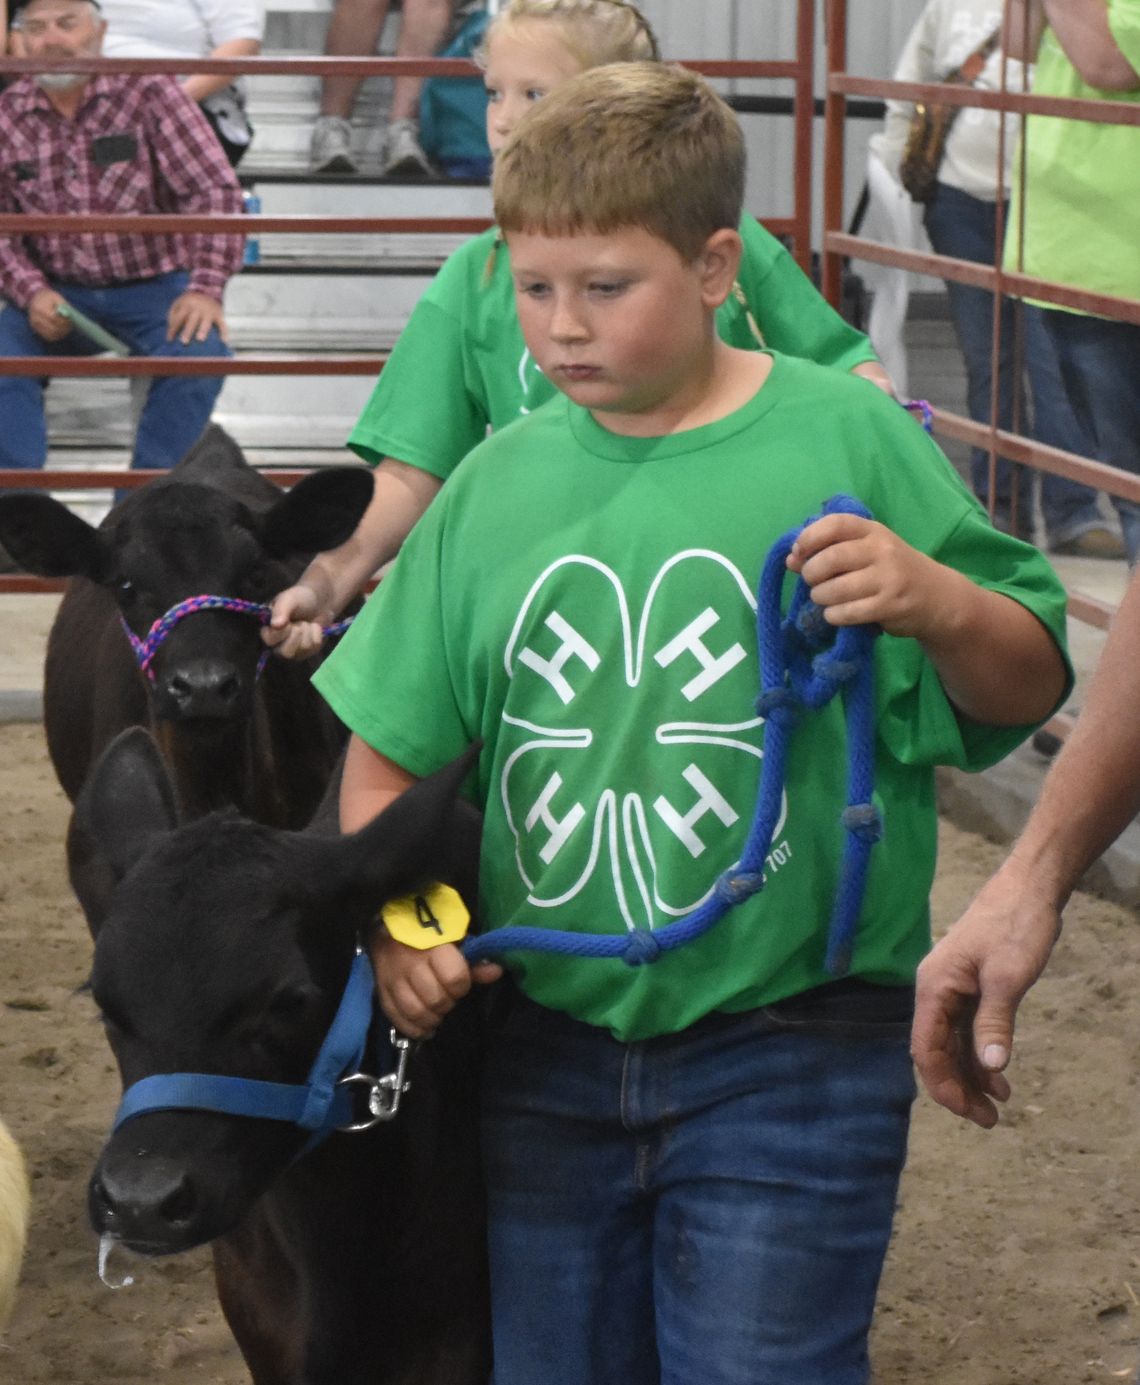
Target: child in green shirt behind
pixel 691 1164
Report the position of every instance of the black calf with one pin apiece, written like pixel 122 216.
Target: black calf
pixel 223 946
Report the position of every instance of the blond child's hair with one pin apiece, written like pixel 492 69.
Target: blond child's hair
pixel 594 32
pixel 628 144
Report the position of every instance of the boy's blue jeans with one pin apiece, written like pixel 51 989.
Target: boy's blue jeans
pixel 177 408
pixel 712 1206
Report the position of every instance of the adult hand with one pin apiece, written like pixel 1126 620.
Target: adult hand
pixel 191 317
pixel 295 629
pixel 969 988
pixel 418 988
pixel 43 317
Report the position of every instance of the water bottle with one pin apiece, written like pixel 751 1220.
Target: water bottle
pixel 252 205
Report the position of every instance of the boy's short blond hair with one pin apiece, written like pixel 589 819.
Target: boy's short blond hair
pixel 592 31
pixel 630 144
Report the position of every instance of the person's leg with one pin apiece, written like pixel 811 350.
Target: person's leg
pixel 177 408
pixel 353 32
pixel 23 430
pixel 568 1224
pixel 964 227
pixel 423 29
pixel 23 434
pixel 1068 508
pixel 1100 365
pixel 776 1177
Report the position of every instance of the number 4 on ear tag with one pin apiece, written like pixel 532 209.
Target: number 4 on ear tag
pixel 425 920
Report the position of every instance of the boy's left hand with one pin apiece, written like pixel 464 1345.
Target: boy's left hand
pixel 418 988
pixel 860 573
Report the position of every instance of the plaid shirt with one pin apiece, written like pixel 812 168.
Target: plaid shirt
pixel 136 145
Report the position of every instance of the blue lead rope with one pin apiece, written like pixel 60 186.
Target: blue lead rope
pixel 804 662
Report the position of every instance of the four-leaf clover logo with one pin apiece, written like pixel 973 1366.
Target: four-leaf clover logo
pixel 659 687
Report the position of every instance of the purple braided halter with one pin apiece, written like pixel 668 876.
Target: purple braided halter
pixel 146 649
pixel 922 411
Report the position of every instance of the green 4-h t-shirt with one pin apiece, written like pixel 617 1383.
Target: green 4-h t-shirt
pixel 585 603
pixel 461 367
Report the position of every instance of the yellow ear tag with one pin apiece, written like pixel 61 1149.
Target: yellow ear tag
pixel 425 920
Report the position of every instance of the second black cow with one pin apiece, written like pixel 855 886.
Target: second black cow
pixel 211 526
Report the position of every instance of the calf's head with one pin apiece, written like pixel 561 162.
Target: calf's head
pixel 212 526
pixel 223 946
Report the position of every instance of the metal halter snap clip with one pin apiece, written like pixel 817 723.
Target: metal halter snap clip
pixel 384 1093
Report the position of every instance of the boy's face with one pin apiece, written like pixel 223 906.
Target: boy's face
pixel 524 63
pixel 620 322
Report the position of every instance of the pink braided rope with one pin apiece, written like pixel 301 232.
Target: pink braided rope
pixel 922 410
pixel 145 649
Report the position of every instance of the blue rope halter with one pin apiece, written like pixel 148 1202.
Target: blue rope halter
pixel 804 662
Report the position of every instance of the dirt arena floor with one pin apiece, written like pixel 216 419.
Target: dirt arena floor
pixel 1016 1257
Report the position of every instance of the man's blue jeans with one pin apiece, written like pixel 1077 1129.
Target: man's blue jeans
pixel 965 227
pixel 708 1207
pixel 177 409
pixel 1100 365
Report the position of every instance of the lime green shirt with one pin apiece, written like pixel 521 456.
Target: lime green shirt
pixel 585 603
pixel 461 367
pixel 1082 180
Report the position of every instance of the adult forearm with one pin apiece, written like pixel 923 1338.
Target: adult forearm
pixel 1093 790
pixel 1022 29
pixel 1083 31
pixel 201 85
pixel 215 258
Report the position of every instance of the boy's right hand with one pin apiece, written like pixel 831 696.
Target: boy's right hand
pixel 295 628
pixel 861 573
pixel 419 987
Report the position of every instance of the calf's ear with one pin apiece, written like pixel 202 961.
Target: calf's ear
pixel 427 834
pixel 125 802
pixel 320 512
pixel 44 537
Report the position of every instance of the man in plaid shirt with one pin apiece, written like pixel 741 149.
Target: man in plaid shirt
pixel 108 144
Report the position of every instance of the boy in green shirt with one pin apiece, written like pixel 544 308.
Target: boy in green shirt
pixel 691 1165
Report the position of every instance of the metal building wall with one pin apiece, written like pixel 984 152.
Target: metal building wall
pixel 767 29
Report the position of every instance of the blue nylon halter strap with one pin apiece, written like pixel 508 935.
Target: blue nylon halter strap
pixel 804 662
pixel 317 1105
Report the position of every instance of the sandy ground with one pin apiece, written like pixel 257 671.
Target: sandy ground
pixel 1016 1257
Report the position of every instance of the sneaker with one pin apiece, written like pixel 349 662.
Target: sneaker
pixel 1101 542
pixel 331 149
pixel 405 157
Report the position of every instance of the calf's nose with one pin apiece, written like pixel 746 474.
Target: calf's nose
pixel 202 688
pixel 151 1203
